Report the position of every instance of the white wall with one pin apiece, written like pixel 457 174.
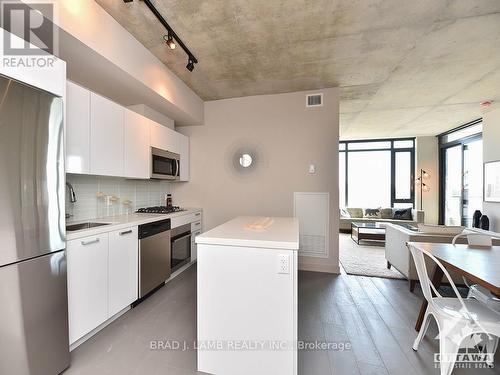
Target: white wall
pixel 287 137
pixel 427 159
pixel 491 152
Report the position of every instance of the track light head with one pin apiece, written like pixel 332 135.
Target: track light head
pixel 190 64
pixel 169 40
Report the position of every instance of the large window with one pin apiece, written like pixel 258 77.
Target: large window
pixel 377 173
pixel 461 169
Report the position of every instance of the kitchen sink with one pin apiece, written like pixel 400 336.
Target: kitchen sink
pixel 87 225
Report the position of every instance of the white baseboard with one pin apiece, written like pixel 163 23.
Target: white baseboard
pixel 326 268
pixel 81 340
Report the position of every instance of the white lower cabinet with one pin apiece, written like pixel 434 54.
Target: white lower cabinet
pixel 123 269
pixel 102 278
pixel 87 284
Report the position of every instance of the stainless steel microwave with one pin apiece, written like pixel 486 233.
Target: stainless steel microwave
pixel 165 165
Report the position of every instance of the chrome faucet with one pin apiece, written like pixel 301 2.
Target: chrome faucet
pixel 72 195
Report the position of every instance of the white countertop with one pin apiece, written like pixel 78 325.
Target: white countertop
pixel 122 221
pixel 253 231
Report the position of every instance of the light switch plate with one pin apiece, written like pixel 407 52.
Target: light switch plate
pixel 283 263
pixel 312 168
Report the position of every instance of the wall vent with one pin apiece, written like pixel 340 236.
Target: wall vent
pixel 314 100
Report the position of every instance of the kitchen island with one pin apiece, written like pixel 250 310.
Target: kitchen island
pixel 247 297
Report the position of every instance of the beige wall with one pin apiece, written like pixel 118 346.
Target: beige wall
pixel 287 137
pixel 427 159
pixel 491 152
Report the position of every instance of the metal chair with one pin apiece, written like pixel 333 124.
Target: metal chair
pixel 456 318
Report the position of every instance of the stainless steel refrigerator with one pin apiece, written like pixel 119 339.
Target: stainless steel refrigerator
pixel 33 291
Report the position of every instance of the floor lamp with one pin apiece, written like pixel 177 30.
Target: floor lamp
pixel 423 186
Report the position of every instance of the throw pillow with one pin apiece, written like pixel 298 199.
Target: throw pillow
pixel 403 214
pixel 372 213
pixel 344 213
pixel 356 213
pixel 386 213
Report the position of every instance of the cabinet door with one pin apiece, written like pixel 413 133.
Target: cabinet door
pixel 106 137
pixel 77 129
pixel 163 138
pixel 123 269
pixel 184 153
pixel 136 150
pixel 87 284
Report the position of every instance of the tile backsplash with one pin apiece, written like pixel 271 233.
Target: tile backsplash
pixel 107 196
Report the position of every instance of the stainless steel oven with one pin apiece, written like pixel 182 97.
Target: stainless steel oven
pixel 181 246
pixel 165 165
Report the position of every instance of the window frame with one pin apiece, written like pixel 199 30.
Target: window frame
pixel 393 151
pixel 443 146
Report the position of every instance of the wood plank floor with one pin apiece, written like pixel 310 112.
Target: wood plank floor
pixel 375 316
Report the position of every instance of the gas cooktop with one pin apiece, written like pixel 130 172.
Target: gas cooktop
pixel 160 210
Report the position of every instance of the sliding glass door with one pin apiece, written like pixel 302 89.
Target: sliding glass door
pixel 461 174
pixel 453 186
pixel 473 180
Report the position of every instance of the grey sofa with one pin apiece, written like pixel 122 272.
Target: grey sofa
pixel 345 222
pixel 399 256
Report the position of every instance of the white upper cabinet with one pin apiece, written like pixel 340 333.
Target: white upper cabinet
pixel 77 129
pixel 106 137
pixel 183 143
pixel 163 138
pixel 136 149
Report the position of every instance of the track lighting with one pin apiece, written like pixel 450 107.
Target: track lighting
pixel 169 40
pixel 190 64
pixel 171 37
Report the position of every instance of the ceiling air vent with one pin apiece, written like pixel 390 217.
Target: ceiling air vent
pixel 314 100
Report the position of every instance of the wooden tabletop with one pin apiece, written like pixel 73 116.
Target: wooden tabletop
pixel 481 265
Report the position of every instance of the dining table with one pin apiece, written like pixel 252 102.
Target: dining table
pixel 478 264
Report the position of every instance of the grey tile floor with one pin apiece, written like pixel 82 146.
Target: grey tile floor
pixel 375 316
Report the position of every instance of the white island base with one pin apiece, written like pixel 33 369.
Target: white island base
pixel 247 297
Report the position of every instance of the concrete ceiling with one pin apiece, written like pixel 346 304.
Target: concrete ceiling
pixel 404 68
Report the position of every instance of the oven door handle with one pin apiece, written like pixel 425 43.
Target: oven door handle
pixel 178 163
pixel 181 237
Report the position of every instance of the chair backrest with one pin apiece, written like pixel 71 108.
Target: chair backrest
pixel 419 256
pixel 475 239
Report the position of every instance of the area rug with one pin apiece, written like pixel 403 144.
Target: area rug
pixel 367 259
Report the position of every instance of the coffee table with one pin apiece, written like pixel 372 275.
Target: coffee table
pixel 367 232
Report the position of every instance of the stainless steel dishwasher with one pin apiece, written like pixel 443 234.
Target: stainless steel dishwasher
pixel 154 255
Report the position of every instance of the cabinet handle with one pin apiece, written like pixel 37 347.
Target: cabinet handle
pixel 197 233
pixel 198 214
pixel 126 232
pixel 90 242
pixel 197 224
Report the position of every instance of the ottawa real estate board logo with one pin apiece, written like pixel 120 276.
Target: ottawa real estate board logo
pixel 30 37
